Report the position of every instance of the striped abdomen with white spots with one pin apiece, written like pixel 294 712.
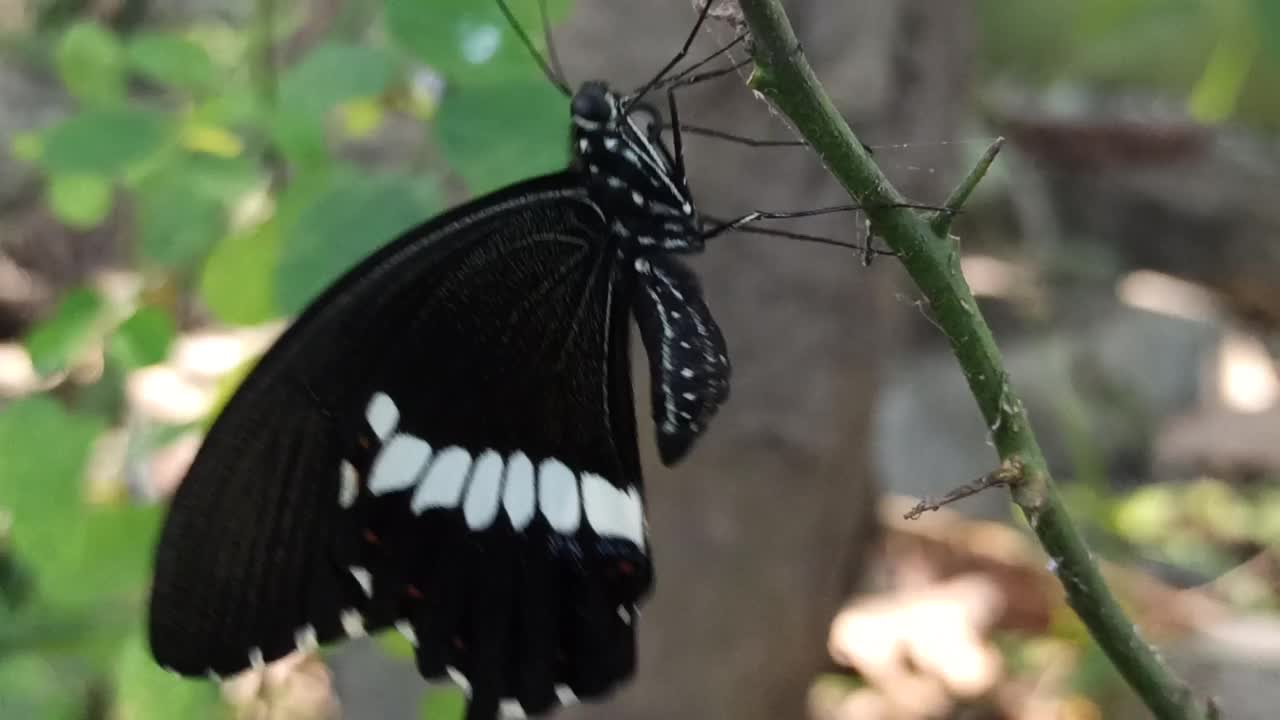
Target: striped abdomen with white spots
pixel 482 486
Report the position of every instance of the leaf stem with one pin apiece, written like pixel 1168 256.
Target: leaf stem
pixel 784 77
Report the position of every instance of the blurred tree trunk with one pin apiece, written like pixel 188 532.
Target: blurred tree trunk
pixel 763 531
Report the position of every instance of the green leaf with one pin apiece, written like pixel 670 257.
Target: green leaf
pixel 31 686
pixel 171 60
pixel 144 338
pixel 238 281
pixel 467 40
pixel 341 224
pixel 177 227
pixel 395 645
pixel 116 555
pixel 1268 25
pixel 77 322
pixel 105 142
pixel 145 692
pixel 79 200
pixel 90 62
pixel 332 74
pixel 479 140
pixel 41 484
pixel 300 139
pixel 444 703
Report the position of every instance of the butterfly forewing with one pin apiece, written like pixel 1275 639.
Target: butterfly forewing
pixel 444 441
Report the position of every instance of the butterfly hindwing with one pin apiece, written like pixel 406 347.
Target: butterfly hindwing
pixel 444 442
pixel 688 361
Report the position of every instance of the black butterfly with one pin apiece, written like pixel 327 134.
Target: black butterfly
pixel 445 441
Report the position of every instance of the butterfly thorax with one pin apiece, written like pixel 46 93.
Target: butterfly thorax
pixel 631 175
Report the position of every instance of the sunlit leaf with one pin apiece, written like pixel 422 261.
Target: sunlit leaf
pixel 341 224
pixel 238 281
pixel 90 63
pixel 144 338
pixel 79 200
pixel 211 140
pixel 171 60
pixel 474 129
pixel 59 339
pixel 105 142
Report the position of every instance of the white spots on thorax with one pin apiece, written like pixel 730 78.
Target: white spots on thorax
pixel 349 485
pixel 584 145
pixel 442 485
pixel 610 144
pixel 484 492
pixel 382 415
pixel 306 639
pixel 593 168
pixel 364 578
pixel 558 496
pixel 352 623
pixel 642 266
pixel 399 464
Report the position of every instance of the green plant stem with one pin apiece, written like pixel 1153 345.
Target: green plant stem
pixel 784 77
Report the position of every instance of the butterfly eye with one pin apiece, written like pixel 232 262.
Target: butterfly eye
pixel 592 103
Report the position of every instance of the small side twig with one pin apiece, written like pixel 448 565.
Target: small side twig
pixel 1007 475
pixel 940 222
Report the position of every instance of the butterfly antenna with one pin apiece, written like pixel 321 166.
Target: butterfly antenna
pixel 552 55
pixel 548 70
pixel 730 137
pixel 679 56
pixel 723 226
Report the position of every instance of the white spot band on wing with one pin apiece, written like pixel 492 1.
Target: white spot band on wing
pixel 443 483
pixel 398 464
pixel 611 511
pixel 518 497
pixel 558 496
pixel 382 415
pixel 484 494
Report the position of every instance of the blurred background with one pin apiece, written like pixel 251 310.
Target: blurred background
pixel 179 177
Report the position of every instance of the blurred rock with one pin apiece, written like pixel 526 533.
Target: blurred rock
pixel 1099 387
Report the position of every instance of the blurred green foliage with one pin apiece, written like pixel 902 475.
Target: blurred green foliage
pixel 1221 56
pixel 235 183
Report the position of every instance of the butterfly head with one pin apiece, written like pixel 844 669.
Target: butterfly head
pixel 631 174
